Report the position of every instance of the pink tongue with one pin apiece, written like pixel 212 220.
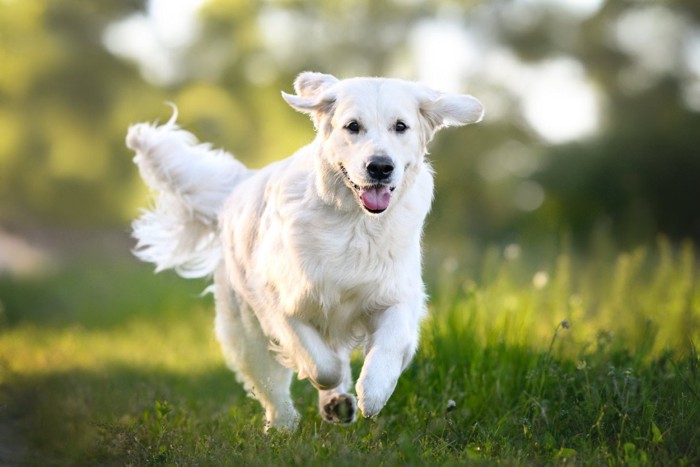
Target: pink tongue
pixel 376 198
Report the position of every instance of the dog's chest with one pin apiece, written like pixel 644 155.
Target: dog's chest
pixel 353 268
pixel 319 262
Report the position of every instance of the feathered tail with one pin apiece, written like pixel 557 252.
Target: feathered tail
pixel 191 182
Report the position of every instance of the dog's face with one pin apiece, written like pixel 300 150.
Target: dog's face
pixel 374 130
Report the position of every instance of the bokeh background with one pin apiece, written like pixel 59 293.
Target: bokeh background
pixel 592 127
pixel 560 255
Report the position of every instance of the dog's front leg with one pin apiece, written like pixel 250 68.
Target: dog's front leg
pixel 391 347
pixel 311 356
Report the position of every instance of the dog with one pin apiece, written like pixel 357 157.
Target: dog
pixel 312 256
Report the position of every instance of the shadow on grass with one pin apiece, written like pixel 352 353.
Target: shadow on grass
pixel 121 414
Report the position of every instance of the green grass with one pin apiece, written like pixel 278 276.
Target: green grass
pixel 576 360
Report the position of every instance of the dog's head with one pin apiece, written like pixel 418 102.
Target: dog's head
pixel 375 130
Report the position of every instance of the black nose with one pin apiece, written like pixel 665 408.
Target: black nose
pixel 380 167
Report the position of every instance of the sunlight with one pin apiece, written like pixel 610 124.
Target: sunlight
pixel 555 97
pixel 153 40
pixel 560 105
pixel 444 53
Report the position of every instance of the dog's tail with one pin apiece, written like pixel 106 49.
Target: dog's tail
pixel 191 182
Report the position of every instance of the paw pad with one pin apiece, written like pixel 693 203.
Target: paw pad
pixel 340 409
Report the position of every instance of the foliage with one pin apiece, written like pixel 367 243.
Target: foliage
pixel 66 101
pixel 104 363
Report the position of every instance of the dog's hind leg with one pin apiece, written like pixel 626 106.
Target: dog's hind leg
pixel 337 405
pixel 246 351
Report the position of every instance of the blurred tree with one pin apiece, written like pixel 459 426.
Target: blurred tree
pixel 65 103
pixel 640 175
pixel 59 89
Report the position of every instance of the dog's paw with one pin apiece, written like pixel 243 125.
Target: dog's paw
pixel 371 398
pixel 371 406
pixel 340 409
pixel 283 421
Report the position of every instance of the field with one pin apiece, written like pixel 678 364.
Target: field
pixel 525 359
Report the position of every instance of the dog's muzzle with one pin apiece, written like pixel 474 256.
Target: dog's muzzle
pixel 375 197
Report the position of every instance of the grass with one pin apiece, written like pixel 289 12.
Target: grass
pixel 584 361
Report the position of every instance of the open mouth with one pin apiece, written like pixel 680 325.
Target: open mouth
pixel 373 198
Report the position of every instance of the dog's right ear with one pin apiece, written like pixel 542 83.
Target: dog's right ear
pixel 312 96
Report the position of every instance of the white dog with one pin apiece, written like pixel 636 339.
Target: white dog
pixel 312 256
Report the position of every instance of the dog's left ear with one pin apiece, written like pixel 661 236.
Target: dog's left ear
pixel 310 84
pixel 312 96
pixel 441 110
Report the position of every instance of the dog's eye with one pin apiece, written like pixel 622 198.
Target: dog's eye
pixel 353 127
pixel 400 127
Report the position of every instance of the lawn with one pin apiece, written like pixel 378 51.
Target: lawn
pixel 552 359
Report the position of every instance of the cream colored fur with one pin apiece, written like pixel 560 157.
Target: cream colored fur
pixel 312 256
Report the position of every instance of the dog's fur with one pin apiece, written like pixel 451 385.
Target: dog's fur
pixel 314 255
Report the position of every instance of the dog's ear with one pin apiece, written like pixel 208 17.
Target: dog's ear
pixel 441 110
pixel 309 84
pixel 312 94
